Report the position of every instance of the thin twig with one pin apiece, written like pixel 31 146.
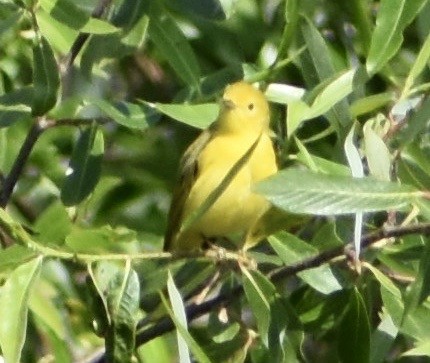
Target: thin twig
pixel 20 161
pixel 80 41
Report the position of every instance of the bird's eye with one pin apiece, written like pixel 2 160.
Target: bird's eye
pixel 250 106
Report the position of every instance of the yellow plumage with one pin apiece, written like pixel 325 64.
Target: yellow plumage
pixel 243 120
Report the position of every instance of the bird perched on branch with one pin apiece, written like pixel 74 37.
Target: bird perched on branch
pixel 214 196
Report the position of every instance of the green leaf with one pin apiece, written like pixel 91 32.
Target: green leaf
pixel 199 116
pixel 385 282
pixel 42 305
pixel 392 19
pixel 122 297
pixel 302 191
pixel 100 240
pixel 371 103
pixel 59 35
pixel 382 339
pixel 118 298
pixel 85 166
pixel 53 225
pixel 259 292
pixel 15 106
pixel 178 310
pixel 14 256
pixel 332 93
pixel 46 78
pixel 377 154
pixel 133 115
pixel 292 249
pixel 98 26
pixel 66 12
pixel 419 65
pixel 14 295
pixel 317 66
pixel 181 326
pixel 357 171
pixel 421 349
pixel 172 44
pixel 354 331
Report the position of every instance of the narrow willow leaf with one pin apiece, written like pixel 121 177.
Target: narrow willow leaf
pixel 301 191
pixel 178 309
pixel 371 103
pixel 420 63
pixel 258 291
pixel 292 249
pixel 382 339
pixel 197 351
pixel 377 154
pixel 354 331
pixel 14 295
pixel 318 66
pixel 284 93
pixel 199 116
pixel 46 78
pixel 291 21
pixel 357 170
pixel 333 93
pixel 133 115
pixel 392 19
pixel 385 282
pixel 85 166
pixel 172 44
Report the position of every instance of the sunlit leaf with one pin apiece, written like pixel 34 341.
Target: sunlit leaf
pixel 393 17
pixel 14 295
pixel 301 191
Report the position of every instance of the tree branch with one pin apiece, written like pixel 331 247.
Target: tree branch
pixel 193 311
pixel 24 152
pixel 80 41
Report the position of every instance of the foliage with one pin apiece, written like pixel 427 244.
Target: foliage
pixel 97 103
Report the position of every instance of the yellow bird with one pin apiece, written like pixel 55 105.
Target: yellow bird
pixel 240 135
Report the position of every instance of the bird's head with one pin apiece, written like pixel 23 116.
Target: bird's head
pixel 244 108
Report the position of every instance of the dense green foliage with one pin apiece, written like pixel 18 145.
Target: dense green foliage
pixel 97 103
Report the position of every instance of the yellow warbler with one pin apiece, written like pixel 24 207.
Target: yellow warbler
pixel 240 134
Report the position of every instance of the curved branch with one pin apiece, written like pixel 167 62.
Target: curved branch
pixel 11 179
pixel 80 41
pixel 165 324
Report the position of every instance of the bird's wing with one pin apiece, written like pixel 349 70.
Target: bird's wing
pixel 189 171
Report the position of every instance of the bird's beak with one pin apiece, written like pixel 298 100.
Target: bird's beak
pixel 227 104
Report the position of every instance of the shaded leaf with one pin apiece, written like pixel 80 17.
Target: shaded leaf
pixel 85 166
pixel 292 249
pixel 172 44
pixel 15 106
pixel 382 339
pixel 354 331
pixel 133 115
pixel 46 78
